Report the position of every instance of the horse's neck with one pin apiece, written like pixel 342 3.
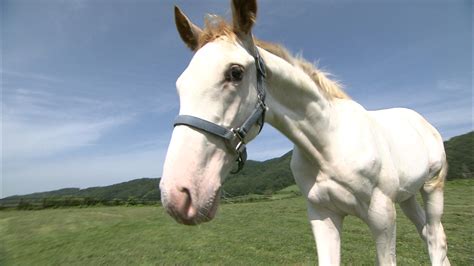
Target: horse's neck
pixel 297 108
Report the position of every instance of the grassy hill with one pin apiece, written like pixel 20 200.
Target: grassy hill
pixel 264 178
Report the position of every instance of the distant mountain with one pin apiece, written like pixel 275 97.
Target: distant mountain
pixel 460 153
pixel 145 189
pixel 256 178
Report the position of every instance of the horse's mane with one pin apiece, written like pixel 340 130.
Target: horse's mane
pixel 216 27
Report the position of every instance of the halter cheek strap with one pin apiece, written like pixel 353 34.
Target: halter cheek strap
pixel 235 138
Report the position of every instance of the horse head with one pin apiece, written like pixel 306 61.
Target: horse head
pixel 221 109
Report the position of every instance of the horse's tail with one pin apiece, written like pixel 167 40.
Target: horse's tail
pixel 438 155
pixel 437 181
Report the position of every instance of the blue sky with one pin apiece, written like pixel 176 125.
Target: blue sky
pixel 88 94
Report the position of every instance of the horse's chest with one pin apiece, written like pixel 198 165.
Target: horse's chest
pixel 341 198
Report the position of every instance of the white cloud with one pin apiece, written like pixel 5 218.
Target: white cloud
pixel 451 86
pixel 27 140
pixel 40 123
pixel 447 104
pixel 31 76
pixel 454 116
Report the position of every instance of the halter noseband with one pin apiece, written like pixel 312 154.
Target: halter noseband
pixel 235 138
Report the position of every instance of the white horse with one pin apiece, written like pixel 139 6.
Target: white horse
pixel 346 160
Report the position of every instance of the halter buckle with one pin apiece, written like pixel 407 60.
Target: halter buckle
pixel 241 143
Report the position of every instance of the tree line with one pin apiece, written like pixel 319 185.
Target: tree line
pixel 62 202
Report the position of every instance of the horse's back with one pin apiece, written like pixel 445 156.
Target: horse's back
pixel 416 147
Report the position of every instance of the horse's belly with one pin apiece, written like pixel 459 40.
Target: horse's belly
pixel 411 182
pixel 408 188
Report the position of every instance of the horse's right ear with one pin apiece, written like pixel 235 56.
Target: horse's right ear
pixel 244 14
pixel 187 30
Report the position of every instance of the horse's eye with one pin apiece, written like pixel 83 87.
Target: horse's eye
pixel 235 73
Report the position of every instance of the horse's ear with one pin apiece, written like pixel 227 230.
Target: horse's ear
pixel 187 30
pixel 244 14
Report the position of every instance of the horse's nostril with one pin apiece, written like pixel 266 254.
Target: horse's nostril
pixel 187 207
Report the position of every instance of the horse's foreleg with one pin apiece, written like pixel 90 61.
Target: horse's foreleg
pixel 326 226
pixel 381 219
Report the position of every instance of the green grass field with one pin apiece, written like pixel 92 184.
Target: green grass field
pixel 270 232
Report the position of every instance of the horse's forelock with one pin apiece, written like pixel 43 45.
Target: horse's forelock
pixel 215 27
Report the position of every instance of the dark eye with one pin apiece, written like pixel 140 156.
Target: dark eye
pixel 235 73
